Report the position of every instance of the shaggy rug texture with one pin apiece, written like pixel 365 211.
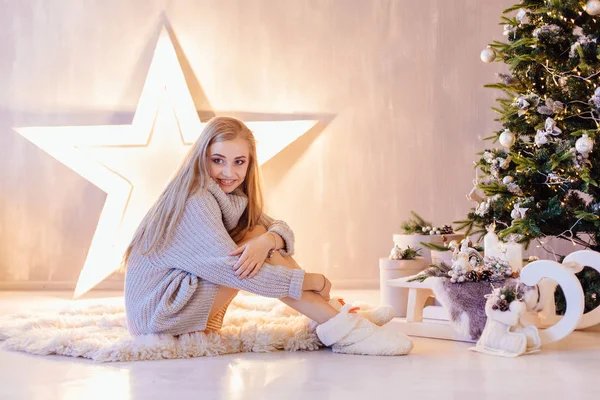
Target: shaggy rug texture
pixel 99 332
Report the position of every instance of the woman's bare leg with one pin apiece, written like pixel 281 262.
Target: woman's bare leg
pixel 226 294
pixel 223 297
pixel 311 304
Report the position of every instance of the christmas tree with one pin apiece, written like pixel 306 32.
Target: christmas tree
pixel 542 177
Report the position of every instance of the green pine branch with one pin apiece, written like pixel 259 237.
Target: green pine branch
pixel 546 67
pixel 434 246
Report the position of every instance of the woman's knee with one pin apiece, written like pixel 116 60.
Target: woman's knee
pixel 288 262
pixel 254 233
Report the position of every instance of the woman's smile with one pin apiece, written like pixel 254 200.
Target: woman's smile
pixel 227 182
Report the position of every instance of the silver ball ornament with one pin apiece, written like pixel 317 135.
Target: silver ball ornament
pixel 488 55
pixel 592 7
pixel 396 253
pixel 507 138
pixel 584 144
pixel 508 179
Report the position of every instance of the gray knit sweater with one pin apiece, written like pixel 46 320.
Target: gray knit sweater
pixel 171 291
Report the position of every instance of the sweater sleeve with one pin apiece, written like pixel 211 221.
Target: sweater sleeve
pixel 201 245
pixel 283 230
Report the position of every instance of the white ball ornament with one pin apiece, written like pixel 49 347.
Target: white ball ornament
pixel 507 179
pixel 396 253
pixel 488 55
pixel 507 138
pixel 592 7
pixel 584 145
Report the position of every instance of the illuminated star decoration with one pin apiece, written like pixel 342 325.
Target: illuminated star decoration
pixel 133 163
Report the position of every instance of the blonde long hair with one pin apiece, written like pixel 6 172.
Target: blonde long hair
pixel 157 226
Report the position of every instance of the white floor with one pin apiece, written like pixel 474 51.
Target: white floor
pixel 436 369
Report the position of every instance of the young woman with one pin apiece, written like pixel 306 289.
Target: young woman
pixel 207 237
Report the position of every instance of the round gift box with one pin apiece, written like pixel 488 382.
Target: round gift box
pixel 392 269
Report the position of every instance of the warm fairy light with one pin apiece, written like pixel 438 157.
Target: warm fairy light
pixel 133 163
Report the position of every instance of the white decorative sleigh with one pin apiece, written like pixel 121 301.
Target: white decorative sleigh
pixel 425 319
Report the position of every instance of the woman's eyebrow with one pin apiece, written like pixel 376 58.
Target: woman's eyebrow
pixel 221 155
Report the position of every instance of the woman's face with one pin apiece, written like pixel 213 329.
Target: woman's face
pixel 228 163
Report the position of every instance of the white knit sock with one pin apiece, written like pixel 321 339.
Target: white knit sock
pixel 378 315
pixel 349 333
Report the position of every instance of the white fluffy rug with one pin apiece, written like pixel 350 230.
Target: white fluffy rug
pixel 98 332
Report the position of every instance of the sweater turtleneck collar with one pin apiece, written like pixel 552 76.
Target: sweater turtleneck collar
pixel 232 204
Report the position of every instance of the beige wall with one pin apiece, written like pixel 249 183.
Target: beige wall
pixel 397 86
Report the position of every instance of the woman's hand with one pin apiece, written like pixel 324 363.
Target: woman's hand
pixel 253 256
